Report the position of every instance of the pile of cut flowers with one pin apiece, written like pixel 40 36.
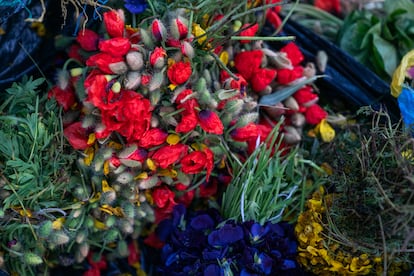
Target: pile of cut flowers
pixel 178 139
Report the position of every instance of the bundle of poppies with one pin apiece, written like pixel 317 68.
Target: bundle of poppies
pixel 187 129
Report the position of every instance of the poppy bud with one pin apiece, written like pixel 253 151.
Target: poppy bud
pixel 158 30
pixel 75 72
pixel 179 28
pixel 158 58
pixel 84 249
pixel 108 197
pixel 275 111
pixel 148 182
pixel 110 221
pixel 187 49
pixel 125 178
pixel 32 259
pixel 321 60
pixel 309 71
pixel 81 236
pixel 111 235
pixel 132 80
pixel 146 38
pixel 58 238
pixel 128 209
pixel 291 103
pixel 234 107
pixel 291 135
pixel 297 119
pixel 122 248
pixel 126 226
pixel 45 228
pixel 114 23
pixel 135 60
pixel 247 119
pixel 118 68
pixel 156 81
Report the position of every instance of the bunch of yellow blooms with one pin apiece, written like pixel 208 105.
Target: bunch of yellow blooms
pixel 322 255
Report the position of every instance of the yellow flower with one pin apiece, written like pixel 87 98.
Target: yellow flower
pixel 401 73
pixel 199 33
pixel 325 130
pixel 224 57
pixel 58 223
pixel 173 139
pixel 90 153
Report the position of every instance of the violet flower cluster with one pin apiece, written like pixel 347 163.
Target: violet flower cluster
pixel 203 243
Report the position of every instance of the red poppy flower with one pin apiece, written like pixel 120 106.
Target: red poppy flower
pixel 273 18
pixel 186 198
pixel 208 188
pixel 193 162
pixel 210 122
pixel 248 62
pixel 162 195
pixel 133 256
pixel 139 154
pixel 114 23
pixel 117 47
pixel 188 122
pixel 158 56
pixel 168 155
pixel 233 83
pixel 315 114
pixel 154 241
pixel 261 78
pixel 179 72
pixel 250 31
pixel 286 76
pixel 64 97
pixel 333 6
pixel 74 52
pixel 153 137
pixel 77 136
pixel 293 53
pixel 305 96
pixel 102 61
pixel 185 101
pixel 245 133
pixel 88 40
pixel 275 8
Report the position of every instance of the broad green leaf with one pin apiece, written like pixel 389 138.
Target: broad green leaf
pixel 392 5
pixel 375 29
pixel 387 52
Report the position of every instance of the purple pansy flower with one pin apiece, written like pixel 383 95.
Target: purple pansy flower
pixel 135 6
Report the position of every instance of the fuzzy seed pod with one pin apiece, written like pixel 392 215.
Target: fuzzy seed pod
pixel 58 238
pixel 108 197
pixel 275 111
pixel 321 60
pixel 88 121
pixel 187 49
pixel 155 97
pixel 125 178
pixel 110 221
pixel 291 103
pixel 118 68
pixel 135 60
pixel 155 122
pixel 247 118
pixel 32 259
pixel 157 81
pixel 126 226
pixel 45 228
pixel 234 107
pixel 298 119
pixel 128 209
pixel 146 38
pixel 291 135
pixel 309 71
pixel 148 182
pixel 84 249
pixel 122 249
pixel 111 235
pixel 81 236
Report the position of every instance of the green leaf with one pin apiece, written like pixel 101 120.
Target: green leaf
pixel 375 29
pixel 387 52
pixel 392 5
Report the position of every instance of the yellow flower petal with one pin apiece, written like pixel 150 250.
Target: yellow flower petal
pixel 224 57
pixel 58 223
pixel 90 153
pixel 173 139
pixel 326 132
pixel 400 73
pixel 143 175
pixel 151 165
pixel 199 33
